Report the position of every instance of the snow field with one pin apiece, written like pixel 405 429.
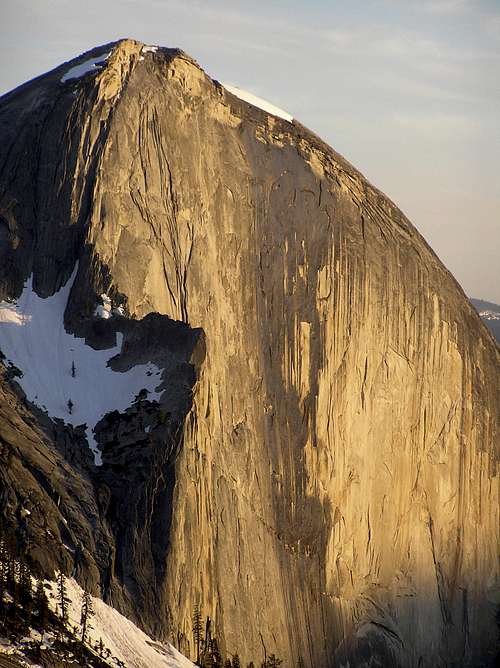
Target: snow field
pixel 61 373
pixel 87 66
pixel 119 634
pixel 259 102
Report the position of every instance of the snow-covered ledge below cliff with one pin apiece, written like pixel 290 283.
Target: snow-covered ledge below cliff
pixel 60 373
pixel 119 635
pixel 258 102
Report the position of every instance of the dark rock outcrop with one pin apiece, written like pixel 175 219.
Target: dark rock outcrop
pixel 321 475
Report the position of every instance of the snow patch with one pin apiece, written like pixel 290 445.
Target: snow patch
pixel 9 315
pixel 125 641
pixel 87 66
pixel 60 372
pixel 259 102
pixel 149 49
pixel 104 310
pixel 490 315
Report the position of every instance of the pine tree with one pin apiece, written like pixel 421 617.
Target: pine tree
pixel 3 570
pixel 227 663
pixel 205 654
pixel 73 369
pixel 62 597
pixel 10 573
pixel 41 605
pixel 87 612
pixel 236 662
pixel 25 587
pixel 197 631
pixel 207 660
pixel 16 577
pixel 4 556
pixel 215 654
pixel 9 588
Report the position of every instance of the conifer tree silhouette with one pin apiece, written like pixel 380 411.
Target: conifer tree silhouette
pixel 197 631
pixel 87 612
pixel 62 597
pixel 41 604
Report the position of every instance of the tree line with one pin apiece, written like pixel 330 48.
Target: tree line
pixel 24 605
pixel 207 648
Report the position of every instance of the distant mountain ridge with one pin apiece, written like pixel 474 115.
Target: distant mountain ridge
pixel 490 315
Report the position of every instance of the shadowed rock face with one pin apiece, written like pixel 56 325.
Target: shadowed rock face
pixel 325 482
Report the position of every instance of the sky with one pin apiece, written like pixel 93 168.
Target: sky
pixel 407 90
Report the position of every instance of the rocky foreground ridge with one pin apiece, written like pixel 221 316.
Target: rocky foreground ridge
pixel 320 473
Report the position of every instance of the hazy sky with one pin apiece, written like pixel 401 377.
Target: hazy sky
pixel 407 90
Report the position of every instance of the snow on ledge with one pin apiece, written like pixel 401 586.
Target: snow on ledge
pixel 104 310
pixel 62 374
pixel 258 102
pixel 147 48
pixel 125 641
pixel 84 68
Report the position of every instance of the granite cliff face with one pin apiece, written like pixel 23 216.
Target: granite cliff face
pixel 320 474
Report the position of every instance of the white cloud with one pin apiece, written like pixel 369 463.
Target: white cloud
pixel 446 6
pixel 436 124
